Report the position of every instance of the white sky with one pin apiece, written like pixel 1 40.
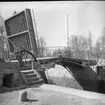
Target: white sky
pixel 51 18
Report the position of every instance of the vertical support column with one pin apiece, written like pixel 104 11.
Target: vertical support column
pixel 31 32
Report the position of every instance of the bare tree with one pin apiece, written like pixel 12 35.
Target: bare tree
pixel 103 43
pixel 2 30
pixel 89 42
pixel 78 45
pixel 41 46
pixel 4 48
pixel 97 49
pixel 4 51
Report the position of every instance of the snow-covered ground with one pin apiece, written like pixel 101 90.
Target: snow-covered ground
pixel 53 95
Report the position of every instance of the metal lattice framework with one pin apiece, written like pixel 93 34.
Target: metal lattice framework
pixel 20 32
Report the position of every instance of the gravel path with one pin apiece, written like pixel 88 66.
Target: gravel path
pixel 41 96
